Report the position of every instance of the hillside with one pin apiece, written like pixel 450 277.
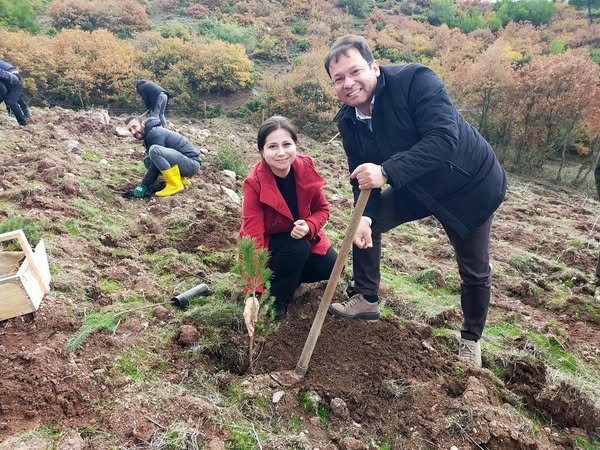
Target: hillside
pixel 150 375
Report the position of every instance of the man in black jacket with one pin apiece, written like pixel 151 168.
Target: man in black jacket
pixel 168 153
pixel 11 79
pixel 399 127
pixel 155 99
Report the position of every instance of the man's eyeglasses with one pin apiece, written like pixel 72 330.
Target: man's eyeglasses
pixel 355 73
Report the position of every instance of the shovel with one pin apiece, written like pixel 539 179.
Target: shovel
pixel 291 377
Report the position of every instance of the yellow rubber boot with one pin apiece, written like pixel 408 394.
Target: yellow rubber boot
pixel 173 180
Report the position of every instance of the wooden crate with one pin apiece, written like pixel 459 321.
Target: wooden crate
pixel 24 277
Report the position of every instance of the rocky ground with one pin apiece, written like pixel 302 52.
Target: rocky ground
pixel 145 374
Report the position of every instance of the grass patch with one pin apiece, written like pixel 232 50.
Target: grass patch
pixel 139 364
pixel 215 313
pixel 177 435
pixel 229 157
pixel 522 263
pixel 99 220
pixel 420 303
pixel 108 287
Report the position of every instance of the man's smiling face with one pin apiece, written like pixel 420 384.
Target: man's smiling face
pixel 354 79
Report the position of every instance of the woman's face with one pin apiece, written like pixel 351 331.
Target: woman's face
pixel 279 152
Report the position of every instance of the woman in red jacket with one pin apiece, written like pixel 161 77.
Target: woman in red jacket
pixel 285 211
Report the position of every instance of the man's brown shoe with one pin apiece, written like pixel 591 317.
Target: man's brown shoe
pixel 356 308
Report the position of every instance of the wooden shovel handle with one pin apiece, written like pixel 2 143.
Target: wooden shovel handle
pixel 315 330
pixel 19 235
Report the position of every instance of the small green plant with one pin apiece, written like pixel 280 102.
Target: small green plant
pixel 294 424
pixel 12 223
pixel 91 323
pixel 229 158
pixel 108 286
pixel 253 269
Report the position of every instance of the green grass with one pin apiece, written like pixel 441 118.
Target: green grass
pixel 522 263
pixel 215 313
pixel 104 222
pixel 229 157
pixel 139 364
pixel 89 156
pixel 108 287
pixel 586 444
pixel 421 304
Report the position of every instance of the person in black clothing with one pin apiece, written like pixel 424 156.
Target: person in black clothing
pixel 168 153
pixel 155 99
pixel 16 93
pixel 399 127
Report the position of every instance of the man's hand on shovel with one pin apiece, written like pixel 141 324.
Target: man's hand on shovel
pixel 251 314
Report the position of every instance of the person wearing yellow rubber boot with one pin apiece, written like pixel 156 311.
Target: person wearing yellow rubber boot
pixel 167 153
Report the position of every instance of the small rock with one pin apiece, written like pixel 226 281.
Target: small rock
pixel 101 117
pixel 188 335
pixel 70 184
pixel 104 162
pixel 73 146
pixel 122 132
pixel 232 195
pixel 349 443
pixel 454 447
pixel 339 408
pixel 315 421
pixel 71 440
pixel 229 173
pixel 277 396
pixel 203 151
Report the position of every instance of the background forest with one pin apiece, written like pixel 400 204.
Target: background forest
pixel 524 72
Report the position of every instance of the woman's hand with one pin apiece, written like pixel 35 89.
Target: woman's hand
pixel 300 229
pixel 251 314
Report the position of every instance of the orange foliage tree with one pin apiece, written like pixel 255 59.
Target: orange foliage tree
pixel 121 16
pixel 554 94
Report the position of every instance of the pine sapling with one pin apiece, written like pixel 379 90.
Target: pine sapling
pixel 254 272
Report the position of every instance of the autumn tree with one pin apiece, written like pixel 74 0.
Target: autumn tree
pixel 120 16
pixel 305 95
pixel 553 95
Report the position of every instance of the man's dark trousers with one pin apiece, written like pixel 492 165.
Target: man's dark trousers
pixel 472 254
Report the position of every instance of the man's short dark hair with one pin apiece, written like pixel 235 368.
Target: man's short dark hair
pixel 345 43
pixel 131 118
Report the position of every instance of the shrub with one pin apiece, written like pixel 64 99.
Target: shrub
pixel 18 14
pixel 358 8
pixel 230 32
pixel 120 16
pixel 12 223
pixel 176 30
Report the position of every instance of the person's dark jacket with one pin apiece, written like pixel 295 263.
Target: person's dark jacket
pixel 426 147
pixel 3 92
pixel 13 94
pixel 155 134
pixel 149 92
pixel 5 65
